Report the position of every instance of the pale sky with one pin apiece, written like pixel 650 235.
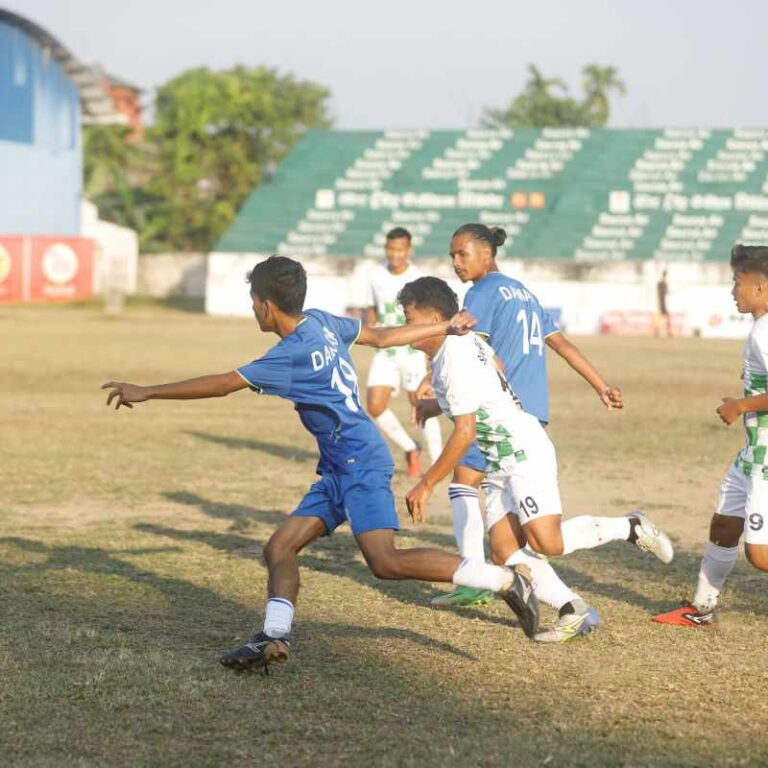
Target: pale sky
pixel 437 64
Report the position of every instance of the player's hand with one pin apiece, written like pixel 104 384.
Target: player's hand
pixel 611 397
pixel 416 500
pixel 422 410
pixel 729 411
pixel 462 322
pixel 124 393
pixel 424 390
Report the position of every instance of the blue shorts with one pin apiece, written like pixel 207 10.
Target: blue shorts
pixel 363 498
pixel 473 458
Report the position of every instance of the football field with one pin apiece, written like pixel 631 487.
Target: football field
pixel 130 556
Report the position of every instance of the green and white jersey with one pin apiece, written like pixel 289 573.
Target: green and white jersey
pixel 466 380
pixel 752 457
pixel 383 288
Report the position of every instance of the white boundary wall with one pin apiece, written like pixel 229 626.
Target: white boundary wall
pixel 584 292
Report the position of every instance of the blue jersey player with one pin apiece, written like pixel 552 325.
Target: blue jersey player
pixel 312 367
pixel 513 322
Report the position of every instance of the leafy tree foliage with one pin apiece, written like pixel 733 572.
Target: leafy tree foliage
pixel 545 102
pixel 215 136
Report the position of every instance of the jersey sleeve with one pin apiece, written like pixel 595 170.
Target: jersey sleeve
pixel 481 308
pixel 462 367
pixel 269 375
pixel 760 345
pixel 549 326
pixel 348 328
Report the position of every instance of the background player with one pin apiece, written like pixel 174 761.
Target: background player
pixel 399 366
pixel 312 367
pixel 743 506
pixel 516 326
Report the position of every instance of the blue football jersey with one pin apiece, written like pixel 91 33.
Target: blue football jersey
pixel 312 368
pixel 516 326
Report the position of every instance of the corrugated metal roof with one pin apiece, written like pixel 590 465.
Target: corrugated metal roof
pixel 97 106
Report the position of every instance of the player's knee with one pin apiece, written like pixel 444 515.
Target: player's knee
pixel 758 557
pixel 384 567
pixel 276 549
pixel 546 548
pixel 549 546
pixel 376 408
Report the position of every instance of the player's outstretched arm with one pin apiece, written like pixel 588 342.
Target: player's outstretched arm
pixel 732 408
pixel 216 385
pixel 401 335
pixel 464 429
pixel 609 396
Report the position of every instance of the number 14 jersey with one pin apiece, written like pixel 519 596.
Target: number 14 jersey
pixel 515 325
pixel 312 368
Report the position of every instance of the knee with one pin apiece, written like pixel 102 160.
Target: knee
pixel 499 558
pixel 549 547
pixel 384 567
pixel 758 557
pixel 276 549
pixel 376 408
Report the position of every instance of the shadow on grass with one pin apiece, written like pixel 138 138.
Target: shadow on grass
pixel 335 555
pixel 186 602
pixel 273 449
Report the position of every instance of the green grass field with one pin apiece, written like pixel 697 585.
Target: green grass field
pixel 130 555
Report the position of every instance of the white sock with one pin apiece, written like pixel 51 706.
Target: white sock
pixel 390 425
pixel 586 532
pixel 481 575
pixel 718 562
pixel 433 438
pixel 547 585
pixel 468 525
pixel 278 617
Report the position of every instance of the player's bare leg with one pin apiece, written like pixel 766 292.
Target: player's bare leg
pixel 272 644
pixel 282 554
pixel 377 403
pixel 427 564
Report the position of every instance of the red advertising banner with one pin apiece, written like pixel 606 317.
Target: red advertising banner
pixel 641 323
pixel 11 269
pixel 61 268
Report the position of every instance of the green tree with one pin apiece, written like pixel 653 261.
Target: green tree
pixel 216 135
pixel 545 102
pixel 598 82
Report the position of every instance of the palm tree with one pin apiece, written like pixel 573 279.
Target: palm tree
pixel 597 83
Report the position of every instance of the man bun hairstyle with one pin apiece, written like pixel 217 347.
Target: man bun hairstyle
pixel 495 237
pixel 280 280
pixel 430 293
pixel 397 233
pixel 750 258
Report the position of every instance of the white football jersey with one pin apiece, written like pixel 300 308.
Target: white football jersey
pixel 466 380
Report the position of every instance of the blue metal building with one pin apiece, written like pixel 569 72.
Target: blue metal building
pixel 45 93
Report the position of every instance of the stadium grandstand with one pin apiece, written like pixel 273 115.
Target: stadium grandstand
pixel 564 193
pixel 593 216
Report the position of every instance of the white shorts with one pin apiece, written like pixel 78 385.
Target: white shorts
pixel 528 488
pixel 408 368
pixel 747 498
